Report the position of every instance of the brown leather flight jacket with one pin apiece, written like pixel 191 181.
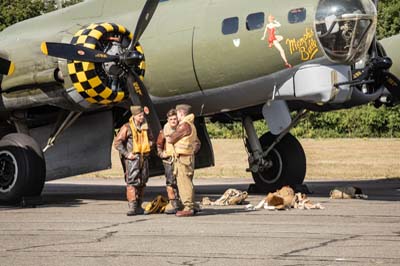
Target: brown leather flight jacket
pixel 123 142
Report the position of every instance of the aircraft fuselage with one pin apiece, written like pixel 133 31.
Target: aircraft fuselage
pixel 194 50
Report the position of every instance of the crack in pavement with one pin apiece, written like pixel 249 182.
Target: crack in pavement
pixel 203 258
pixel 323 244
pixel 105 237
pixel 225 256
pixel 97 240
pixel 117 224
pixel 190 262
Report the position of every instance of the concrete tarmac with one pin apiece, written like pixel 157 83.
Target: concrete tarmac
pixel 83 222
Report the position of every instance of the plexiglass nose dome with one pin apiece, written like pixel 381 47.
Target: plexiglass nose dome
pixel 345 28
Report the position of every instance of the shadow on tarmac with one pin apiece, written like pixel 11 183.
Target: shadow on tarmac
pixel 381 189
pixel 73 195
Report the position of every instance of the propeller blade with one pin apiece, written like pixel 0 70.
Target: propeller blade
pixel 144 19
pixel 6 67
pixel 137 90
pixel 76 52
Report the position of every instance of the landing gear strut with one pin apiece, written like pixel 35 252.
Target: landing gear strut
pixel 275 160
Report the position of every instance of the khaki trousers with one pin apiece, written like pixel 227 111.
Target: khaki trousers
pixel 184 169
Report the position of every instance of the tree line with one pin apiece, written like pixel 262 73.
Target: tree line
pixel 358 122
pixel 13 11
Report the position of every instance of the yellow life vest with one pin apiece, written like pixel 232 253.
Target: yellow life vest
pixel 140 138
pixel 168 148
pixel 185 145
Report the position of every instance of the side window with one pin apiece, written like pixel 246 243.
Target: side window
pixel 297 15
pixel 255 21
pixel 230 25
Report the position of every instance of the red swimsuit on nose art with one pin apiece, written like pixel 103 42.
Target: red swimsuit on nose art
pixel 271 36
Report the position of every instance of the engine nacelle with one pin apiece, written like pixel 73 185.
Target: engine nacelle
pixel 345 28
pixel 100 83
pixel 304 86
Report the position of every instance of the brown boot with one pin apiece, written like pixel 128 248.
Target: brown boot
pixel 171 193
pixel 172 207
pixel 185 213
pixel 173 203
pixel 132 208
pixel 131 197
pixel 139 200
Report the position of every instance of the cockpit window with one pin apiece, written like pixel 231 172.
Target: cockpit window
pixel 255 21
pixel 230 25
pixel 297 15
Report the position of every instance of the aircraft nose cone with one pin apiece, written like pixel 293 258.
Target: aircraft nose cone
pixel 345 29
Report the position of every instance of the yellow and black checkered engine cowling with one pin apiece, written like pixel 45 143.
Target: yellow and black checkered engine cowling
pixel 91 80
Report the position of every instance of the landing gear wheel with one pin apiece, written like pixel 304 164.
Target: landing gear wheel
pixel 22 168
pixel 288 164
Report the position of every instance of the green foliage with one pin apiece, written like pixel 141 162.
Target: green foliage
pixel 225 131
pixel 365 121
pixel 70 2
pixel 13 11
pixel 388 18
pixel 359 122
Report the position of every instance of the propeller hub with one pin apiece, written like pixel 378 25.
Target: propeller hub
pixel 104 81
pixel 111 68
pixel 383 63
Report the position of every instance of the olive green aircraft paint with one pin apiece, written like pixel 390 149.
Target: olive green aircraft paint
pixel 224 63
pixel 184 46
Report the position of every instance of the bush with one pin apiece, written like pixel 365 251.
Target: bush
pixel 359 122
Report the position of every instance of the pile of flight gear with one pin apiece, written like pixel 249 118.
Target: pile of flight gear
pixel 230 197
pixel 283 199
pixel 301 202
pixel 160 205
pixel 347 193
pixel 157 205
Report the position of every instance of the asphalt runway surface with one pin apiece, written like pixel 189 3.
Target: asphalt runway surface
pixel 83 222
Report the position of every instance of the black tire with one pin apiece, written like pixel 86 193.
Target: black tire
pixel 289 164
pixel 22 168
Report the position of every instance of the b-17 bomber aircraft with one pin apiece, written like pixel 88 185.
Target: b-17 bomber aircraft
pixel 68 78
